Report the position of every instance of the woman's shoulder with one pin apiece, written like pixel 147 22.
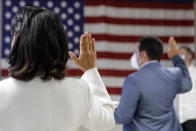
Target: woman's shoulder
pixel 6 82
pixel 76 87
pixel 67 84
pixel 75 83
pixel 73 80
pixel 5 86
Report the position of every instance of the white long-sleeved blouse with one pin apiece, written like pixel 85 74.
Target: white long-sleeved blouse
pixel 56 105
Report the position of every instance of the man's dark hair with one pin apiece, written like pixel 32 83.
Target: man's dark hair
pixel 187 49
pixel 153 47
pixel 40 48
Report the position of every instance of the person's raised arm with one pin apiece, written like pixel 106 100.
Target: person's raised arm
pixel 183 76
pixel 101 109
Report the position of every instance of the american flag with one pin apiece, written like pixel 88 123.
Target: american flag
pixel 116 26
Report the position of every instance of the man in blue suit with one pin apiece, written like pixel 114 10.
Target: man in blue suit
pixel 147 96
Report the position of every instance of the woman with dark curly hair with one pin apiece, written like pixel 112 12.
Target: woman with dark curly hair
pixel 38 96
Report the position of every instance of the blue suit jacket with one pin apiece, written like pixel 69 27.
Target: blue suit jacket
pixel 147 97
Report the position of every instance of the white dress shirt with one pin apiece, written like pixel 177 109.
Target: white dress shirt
pixel 55 105
pixel 187 101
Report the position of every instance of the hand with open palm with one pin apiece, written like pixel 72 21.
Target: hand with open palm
pixel 173 48
pixel 87 57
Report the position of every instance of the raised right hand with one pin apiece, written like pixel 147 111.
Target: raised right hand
pixel 173 48
pixel 87 57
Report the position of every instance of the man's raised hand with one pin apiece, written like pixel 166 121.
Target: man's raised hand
pixel 173 48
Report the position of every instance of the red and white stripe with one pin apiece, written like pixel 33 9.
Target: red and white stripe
pixel 118 25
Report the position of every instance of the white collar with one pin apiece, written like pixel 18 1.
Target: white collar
pixel 148 62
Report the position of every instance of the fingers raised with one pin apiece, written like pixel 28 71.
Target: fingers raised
pixel 93 46
pixel 172 42
pixel 82 43
pixel 90 43
pixel 73 57
pixel 87 41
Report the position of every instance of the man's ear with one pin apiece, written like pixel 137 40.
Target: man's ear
pixel 144 55
pixel 189 57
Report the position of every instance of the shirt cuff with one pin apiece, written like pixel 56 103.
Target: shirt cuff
pixel 96 85
pixel 176 59
pixel 89 73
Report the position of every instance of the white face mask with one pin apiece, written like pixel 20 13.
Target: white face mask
pixel 133 61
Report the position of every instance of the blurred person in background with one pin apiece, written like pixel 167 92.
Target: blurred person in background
pixel 187 101
pixel 38 96
pixel 146 102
